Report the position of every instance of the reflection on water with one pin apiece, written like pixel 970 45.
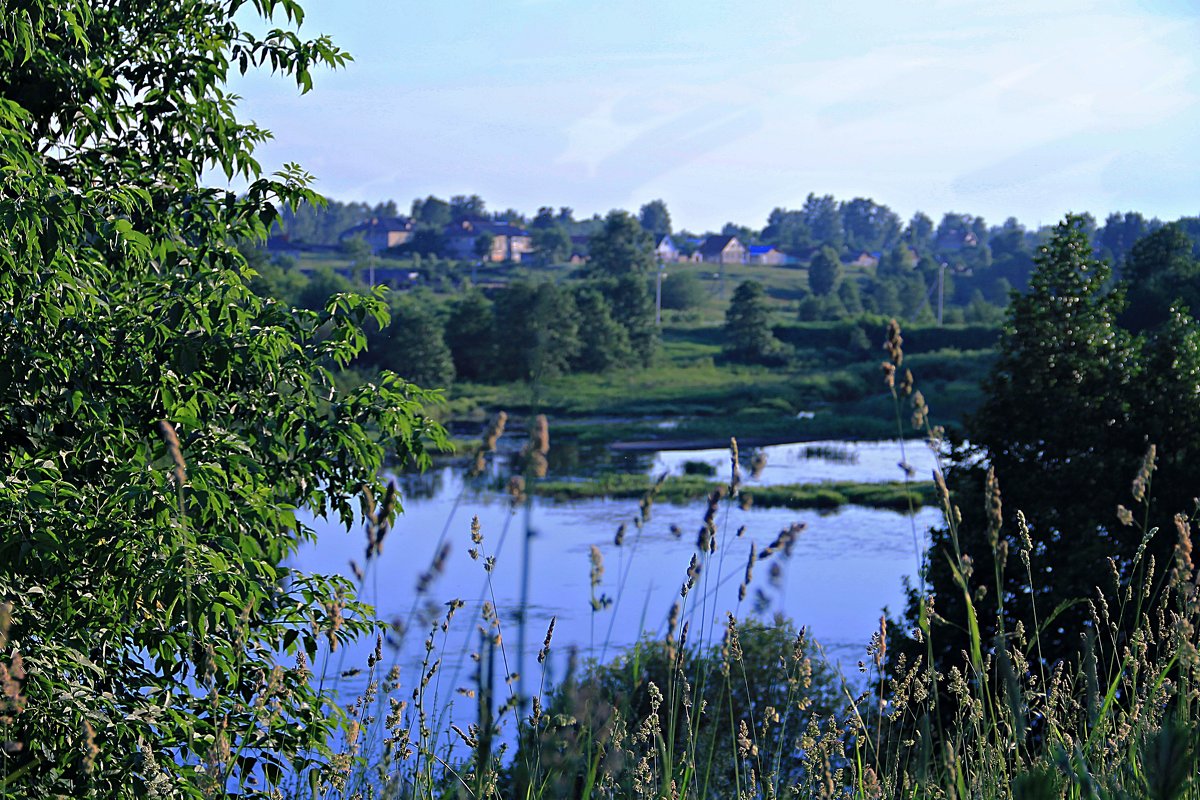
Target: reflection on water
pixel 844 568
pixel 812 462
pixel 569 457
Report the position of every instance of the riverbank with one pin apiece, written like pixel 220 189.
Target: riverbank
pixel 684 489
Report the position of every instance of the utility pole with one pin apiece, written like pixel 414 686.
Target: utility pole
pixel 658 294
pixel 941 290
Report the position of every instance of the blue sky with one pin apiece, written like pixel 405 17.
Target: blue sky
pixel 726 110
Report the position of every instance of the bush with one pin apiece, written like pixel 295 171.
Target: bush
pixel 682 290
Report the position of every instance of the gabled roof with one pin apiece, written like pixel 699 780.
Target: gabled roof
pixel 716 244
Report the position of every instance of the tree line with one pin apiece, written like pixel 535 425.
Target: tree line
pixel 530 331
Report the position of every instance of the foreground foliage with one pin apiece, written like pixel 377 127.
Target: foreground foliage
pixel 159 423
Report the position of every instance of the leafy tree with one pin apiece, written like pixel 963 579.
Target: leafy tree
pixel 544 218
pixel 682 290
pixel 412 345
pixel 322 286
pixel 1062 350
pixel 851 299
pixel 823 218
pixel 900 260
pixel 885 296
pixel 788 230
pixel 744 234
pixel 980 312
pixel 469 334
pixel 1009 239
pixel 433 212
pixel 748 334
pixel 621 247
pixel 355 248
pixel 484 243
pixel 1160 273
pixel 633 308
pixel 603 342
pixel 467 207
pixel 914 296
pixel 825 271
pixel 868 225
pixel 953 232
pixel 655 218
pixel 277 278
pixel 159 422
pixel 323 221
pixel 1000 292
pixel 810 308
pixel 536 331
pixel 1012 249
pixel 552 244
pixel 919 233
pixel 510 216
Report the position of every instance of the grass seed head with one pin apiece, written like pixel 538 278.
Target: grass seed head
pixel 174 450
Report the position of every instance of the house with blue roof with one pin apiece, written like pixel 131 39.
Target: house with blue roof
pixel 765 254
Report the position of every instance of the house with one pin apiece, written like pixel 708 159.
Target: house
pixel 579 249
pixel 865 259
pixel 381 232
pixel 765 254
pixel 665 250
pixel 722 250
pixel 509 243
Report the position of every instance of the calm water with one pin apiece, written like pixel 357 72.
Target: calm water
pixel 844 568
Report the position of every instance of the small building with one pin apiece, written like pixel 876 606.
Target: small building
pixel 722 250
pixel 380 233
pixel 765 254
pixel 579 249
pixel 509 243
pixel 665 250
pixel 865 259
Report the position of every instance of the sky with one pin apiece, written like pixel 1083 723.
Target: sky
pixel 727 110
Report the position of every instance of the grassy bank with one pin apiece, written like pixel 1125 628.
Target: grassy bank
pixel 684 489
pixel 823 393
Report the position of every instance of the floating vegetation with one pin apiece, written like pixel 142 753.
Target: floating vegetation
pixel 681 489
pixel 830 452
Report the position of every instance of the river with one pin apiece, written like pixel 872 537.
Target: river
pixel 844 569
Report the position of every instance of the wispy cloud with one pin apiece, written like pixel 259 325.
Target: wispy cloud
pixel 999 107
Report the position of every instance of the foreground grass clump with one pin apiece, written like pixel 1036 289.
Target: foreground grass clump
pixel 662 710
